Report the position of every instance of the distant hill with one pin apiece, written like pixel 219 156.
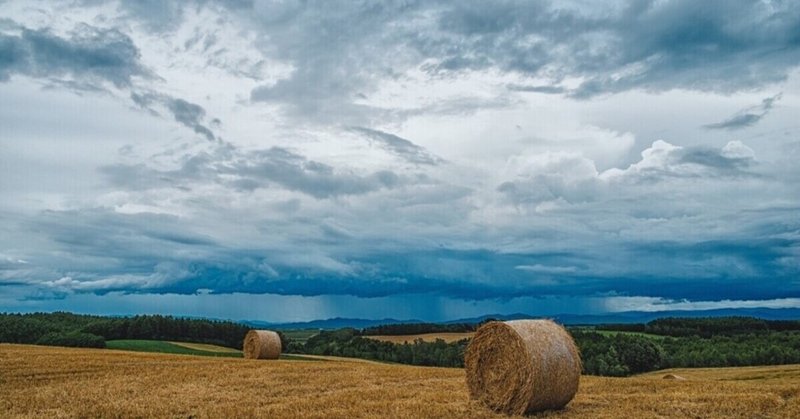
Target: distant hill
pixel 645 316
pixel 327 324
pixel 569 319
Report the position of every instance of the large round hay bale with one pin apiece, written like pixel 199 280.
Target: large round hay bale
pixel 522 366
pixel 262 344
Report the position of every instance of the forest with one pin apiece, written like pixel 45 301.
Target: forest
pixel 349 343
pixel 608 350
pixel 706 327
pixel 67 329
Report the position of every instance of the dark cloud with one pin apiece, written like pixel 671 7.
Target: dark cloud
pixel 8 24
pixel 77 87
pixel 720 46
pixel 341 50
pixel 89 54
pixel 92 228
pixel 552 90
pixel 717 46
pixel 249 170
pixel 88 57
pixel 675 225
pixel 715 159
pixel 751 268
pixel 295 172
pixel 189 114
pixel 747 117
pixel 96 243
pixel 100 251
pixel 737 122
pixel 399 146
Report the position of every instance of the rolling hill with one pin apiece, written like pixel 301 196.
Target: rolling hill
pixel 568 319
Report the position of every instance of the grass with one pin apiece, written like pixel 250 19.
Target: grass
pixel 169 348
pixel 187 348
pixel 427 337
pixel 41 381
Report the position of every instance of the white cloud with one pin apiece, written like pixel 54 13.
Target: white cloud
pixel 656 304
pixel 737 150
pixel 663 159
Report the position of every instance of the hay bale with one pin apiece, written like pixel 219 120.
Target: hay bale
pixel 262 344
pixel 522 366
pixel 673 377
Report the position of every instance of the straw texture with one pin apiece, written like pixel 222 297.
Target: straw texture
pixel 522 366
pixel 262 344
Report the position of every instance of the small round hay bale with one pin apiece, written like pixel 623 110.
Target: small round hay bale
pixel 673 377
pixel 262 344
pixel 522 366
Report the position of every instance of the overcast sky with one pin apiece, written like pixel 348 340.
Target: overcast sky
pixel 282 160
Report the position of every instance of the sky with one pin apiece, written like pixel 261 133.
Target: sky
pixel 433 160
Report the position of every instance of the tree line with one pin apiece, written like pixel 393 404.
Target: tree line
pixel 67 329
pixel 667 343
pixel 350 343
pixel 706 327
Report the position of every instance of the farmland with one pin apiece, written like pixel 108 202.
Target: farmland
pixel 180 348
pixel 52 382
pixel 300 335
pixel 187 348
pixel 425 337
pixel 607 350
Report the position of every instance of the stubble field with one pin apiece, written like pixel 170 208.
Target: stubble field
pixel 62 382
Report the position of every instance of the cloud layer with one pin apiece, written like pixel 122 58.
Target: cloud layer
pixel 463 154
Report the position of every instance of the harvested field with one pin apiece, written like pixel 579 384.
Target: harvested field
pixel 58 382
pixel 427 337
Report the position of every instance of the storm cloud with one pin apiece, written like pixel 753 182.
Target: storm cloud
pixel 710 46
pixel 186 113
pixel 747 117
pixel 89 54
pixel 248 170
pixel 369 158
pixel 399 146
